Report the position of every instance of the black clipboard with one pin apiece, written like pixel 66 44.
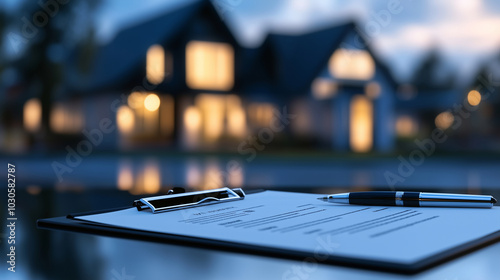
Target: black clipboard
pixel 69 224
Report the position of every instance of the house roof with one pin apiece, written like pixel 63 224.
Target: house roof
pixel 115 61
pixel 296 60
pixel 284 63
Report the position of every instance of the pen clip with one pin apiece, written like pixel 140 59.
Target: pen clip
pixel 175 201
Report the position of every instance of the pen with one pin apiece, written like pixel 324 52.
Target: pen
pixel 412 199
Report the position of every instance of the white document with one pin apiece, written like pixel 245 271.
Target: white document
pixel 300 222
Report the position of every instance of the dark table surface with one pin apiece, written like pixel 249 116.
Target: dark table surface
pixel 45 254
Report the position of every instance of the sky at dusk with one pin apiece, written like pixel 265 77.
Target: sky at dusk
pixel 465 32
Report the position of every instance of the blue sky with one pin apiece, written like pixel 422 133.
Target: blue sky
pixel 465 32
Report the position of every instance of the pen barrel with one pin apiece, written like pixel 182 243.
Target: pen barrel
pixel 381 198
pixel 455 200
pixel 422 199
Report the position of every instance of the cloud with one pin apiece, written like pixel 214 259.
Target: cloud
pixel 464 31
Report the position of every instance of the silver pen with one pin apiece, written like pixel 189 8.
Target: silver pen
pixel 412 199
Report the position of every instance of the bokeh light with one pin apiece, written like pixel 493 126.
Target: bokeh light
pixel 152 102
pixel 474 97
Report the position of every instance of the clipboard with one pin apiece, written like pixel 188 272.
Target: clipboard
pixel 70 224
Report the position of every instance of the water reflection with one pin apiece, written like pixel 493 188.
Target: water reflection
pixel 149 176
pixel 212 174
pixel 125 179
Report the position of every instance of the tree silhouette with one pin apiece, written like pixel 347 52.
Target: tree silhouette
pixel 429 74
pixel 41 65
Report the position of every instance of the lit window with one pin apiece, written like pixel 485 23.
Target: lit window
pixel 153 114
pixel 209 65
pixel 352 64
pixel 155 64
pixel 323 88
pixel 125 119
pixel 235 115
pixel 444 120
pixel 361 124
pixel 213 116
pixel 212 113
pixel 32 115
pixel 192 126
pixel 474 98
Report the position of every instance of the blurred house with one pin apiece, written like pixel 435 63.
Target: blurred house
pixel 183 79
pixel 182 74
pixel 341 94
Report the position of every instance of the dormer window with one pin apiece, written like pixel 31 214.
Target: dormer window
pixel 351 65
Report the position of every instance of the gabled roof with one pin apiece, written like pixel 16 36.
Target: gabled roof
pixel 285 64
pixel 124 54
pixel 297 59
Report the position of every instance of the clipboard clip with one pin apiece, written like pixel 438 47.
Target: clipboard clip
pixel 175 199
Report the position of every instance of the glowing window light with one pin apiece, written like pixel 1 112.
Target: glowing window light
pixel 136 100
pixel 32 115
pixel 361 124
pixel 125 119
pixel 406 126
pixel 65 118
pixel 444 120
pixel 192 126
pixel 152 102
pixel 155 64
pixel 236 119
pixel 323 88
pixel 351 64
pixel 192 119
pixel 209 65
pixel 57 119
pixel 474 97
pixel 212 108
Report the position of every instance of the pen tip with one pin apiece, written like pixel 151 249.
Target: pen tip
pixel 493 200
